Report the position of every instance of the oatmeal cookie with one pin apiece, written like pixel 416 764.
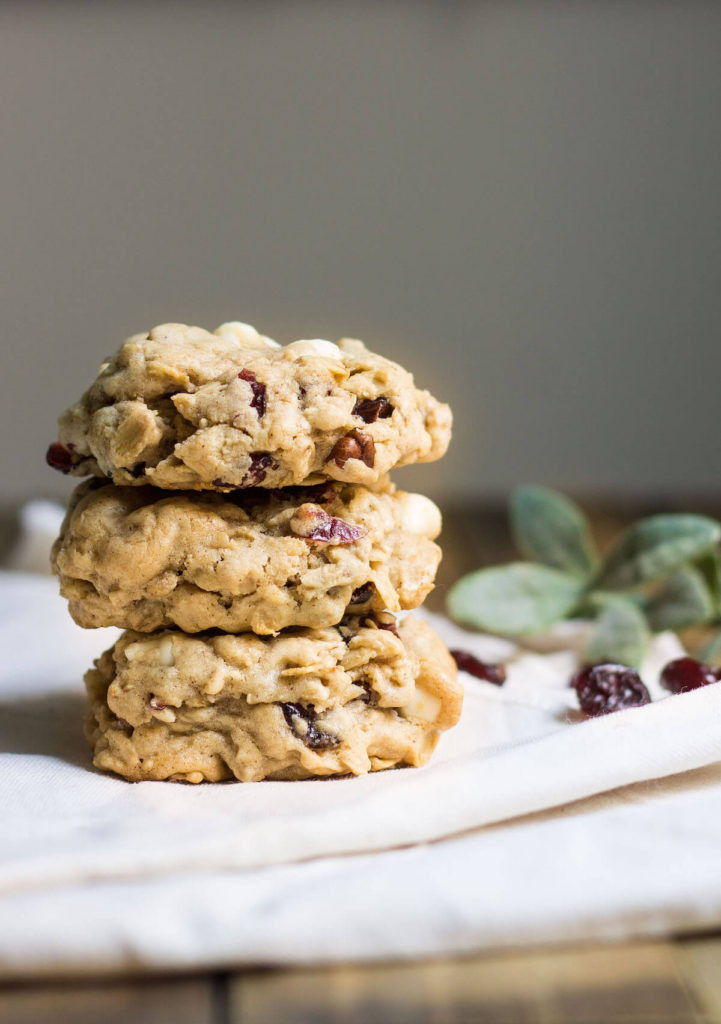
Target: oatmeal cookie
pixel 260 560
pixel 181 408
pixel 353 698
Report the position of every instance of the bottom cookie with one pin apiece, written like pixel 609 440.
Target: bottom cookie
pixel 349 699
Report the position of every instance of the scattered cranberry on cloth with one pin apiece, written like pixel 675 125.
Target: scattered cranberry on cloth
pixel 532 824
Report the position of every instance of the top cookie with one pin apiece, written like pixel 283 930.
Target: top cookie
pixel 181 408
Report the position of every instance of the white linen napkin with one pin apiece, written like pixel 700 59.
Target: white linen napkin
pixel 97 874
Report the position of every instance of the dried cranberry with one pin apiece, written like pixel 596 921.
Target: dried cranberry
pixel 355 445
pixel 156 705
pixel 480 669
pixel 369 695
pixel 312 736
pixel 331 528
pixel 372 409
pixel 362 594
pixel 257 402
pixel 321 494
pixel 60 457
pixel 603 689
pixel 384 620
pixel 686 674
pixel 312 523
pixel 259 463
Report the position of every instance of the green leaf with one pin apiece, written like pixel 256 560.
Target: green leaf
pixel 709 565
pixel 514 599
pixel 549 528
pixel 656 547
pixel 620 634
pixel 682 600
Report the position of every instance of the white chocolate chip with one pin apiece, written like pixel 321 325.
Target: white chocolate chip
pixel 424 706
pixel 245 334
pixel 165 652
pixel 160 651
pixel 236 329
pixel 314 347
pixel 165 715
pixel 420 515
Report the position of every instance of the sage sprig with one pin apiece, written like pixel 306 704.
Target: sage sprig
pixel 664 572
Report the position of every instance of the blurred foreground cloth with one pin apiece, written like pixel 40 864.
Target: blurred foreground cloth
pixel 529 826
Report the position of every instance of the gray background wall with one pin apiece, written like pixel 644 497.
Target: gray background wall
pixel 519 200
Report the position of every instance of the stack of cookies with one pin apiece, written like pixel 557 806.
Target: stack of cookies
pixel 240 526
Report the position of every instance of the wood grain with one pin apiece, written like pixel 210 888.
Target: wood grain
pixel 699 964
pixel 671 982
pixel 181 1001
pixel 630 983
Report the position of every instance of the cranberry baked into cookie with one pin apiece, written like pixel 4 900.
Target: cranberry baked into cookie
pixel 181 408
pixel 262 560
pixel 359 697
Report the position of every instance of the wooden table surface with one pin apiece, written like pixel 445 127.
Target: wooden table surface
pixel 674 981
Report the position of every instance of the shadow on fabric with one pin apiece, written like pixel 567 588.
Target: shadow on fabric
pixel 50 726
